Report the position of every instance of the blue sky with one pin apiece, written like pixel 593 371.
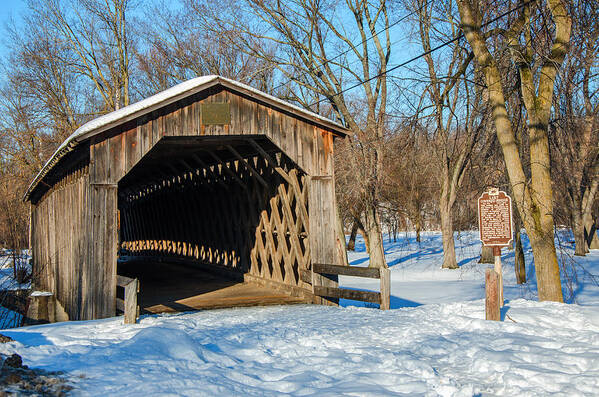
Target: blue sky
pixel 11 7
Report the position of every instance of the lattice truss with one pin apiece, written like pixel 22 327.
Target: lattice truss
pixel 248 214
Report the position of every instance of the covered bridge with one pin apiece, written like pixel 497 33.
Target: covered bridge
pixel 211 193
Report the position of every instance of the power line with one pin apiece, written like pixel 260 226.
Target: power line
pixel 354 46
pixel 421 55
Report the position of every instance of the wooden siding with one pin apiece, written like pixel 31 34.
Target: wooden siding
pixel 117 151
pixel 249 225
pixel 59 240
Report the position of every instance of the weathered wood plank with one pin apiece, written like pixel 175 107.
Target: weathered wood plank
pixel 352 294
pixel 122 281
pixel 385 289
pixel 120 305
pixel 131 308
pixel 492 309
pixel 346 270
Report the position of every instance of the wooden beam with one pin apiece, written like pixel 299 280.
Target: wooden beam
pixel 120 304
pixel 186 165
pixel 248 166
pixel 208 170
pixel 261 150
pixel 346 270
pixel 192 170
pixel 123 281
pixel 352 294
pixel 227 169
pixel 270 160
pixel 492 309
pixel 306 276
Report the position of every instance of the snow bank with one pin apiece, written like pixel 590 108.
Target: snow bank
pixel 445 350
pixel 436 342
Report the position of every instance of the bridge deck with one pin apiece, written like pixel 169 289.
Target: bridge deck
pixel 169 287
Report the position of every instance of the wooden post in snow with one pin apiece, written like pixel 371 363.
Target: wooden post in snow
pixel 385 289
pixel 492 293
pixel 497 254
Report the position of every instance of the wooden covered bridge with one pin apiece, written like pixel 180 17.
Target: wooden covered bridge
pixel 211 193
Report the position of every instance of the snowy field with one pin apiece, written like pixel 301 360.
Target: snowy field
pixel 435 342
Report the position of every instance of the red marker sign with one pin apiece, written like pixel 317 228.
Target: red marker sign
pixel 495 218
pixel 495 228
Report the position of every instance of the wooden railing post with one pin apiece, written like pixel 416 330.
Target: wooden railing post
pixel 383 298
pixel 129 304
pixel 492 310
pixel 385 289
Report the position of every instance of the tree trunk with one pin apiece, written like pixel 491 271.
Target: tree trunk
pixel 340 243
pixel 486 255
pixel 535 199
pixel 543 249
pixel 580 248
pixel 449 261
pixel 590 234
pixel 418 228
pixel 14 262
pixel 375 243
pixel 351 244
pixel 520 264
pixel 366 239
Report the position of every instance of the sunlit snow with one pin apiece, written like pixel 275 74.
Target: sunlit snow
pixel 434 342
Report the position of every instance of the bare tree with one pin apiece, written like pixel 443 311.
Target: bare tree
pixel 177 46
pixel 317 54
pixel 96 35
pixel 576 131
pixel 410 188
pixel 537 71
pixel 455 117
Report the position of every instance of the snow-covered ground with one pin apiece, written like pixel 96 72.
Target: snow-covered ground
pixel 7 279
pixel 417 277
pixel 435 342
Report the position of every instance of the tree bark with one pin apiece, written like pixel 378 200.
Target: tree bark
pixel 449 260
pixel 519 262
pixel 591 235
pixel 375 243
pixel 533 198
pixel 578 229
pixel 340 243
pixel 351 244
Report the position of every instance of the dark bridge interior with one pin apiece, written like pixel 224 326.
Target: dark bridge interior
pixel 199 213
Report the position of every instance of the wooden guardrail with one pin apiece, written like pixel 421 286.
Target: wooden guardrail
pixel 129 304
pixel 382 297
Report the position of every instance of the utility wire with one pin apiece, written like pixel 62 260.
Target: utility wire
pixel 421 55
pixel 354 46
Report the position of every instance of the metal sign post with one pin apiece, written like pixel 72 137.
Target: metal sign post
pixel 495 226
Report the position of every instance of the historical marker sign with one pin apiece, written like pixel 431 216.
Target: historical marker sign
pixel 495 218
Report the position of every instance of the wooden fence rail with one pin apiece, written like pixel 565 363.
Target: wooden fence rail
pixel 129 304
pixel 382 297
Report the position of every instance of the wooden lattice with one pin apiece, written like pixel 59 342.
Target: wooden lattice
pixel 248 214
